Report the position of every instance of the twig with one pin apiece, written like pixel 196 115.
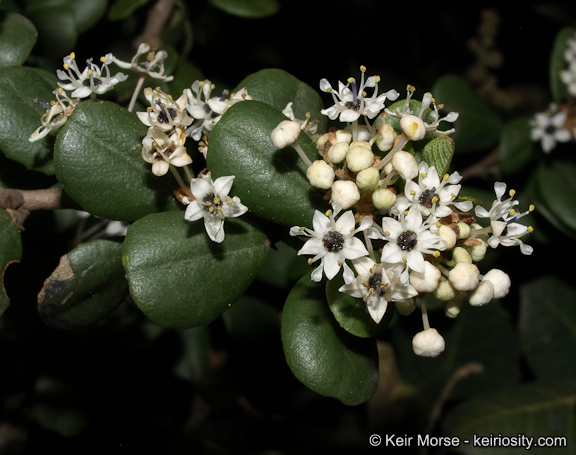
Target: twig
pixel 482 168
pixel 157 18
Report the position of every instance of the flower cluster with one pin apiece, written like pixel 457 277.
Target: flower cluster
pixel 417 234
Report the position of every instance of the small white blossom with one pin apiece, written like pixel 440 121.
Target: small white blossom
pixel 464 276
pixel 333 241
pixel 548 128
pixel 320 174
pixel 345 193
pixel 305 125
pixel 213 204
pixel 164 113
pixel 500 281
pixel 91 80
pixel 57 112
pixel 152 64
pixel 162 150
pixel 428 343
pixel 285 134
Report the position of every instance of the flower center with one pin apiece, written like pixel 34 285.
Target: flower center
pixel 212 204
pixel 93 81
pixel 550 129
pixel 333 241
pixel 407 240
pixel 427 198
pixel 164 113
pixel 374 284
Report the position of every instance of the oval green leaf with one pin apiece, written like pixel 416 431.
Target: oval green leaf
pixel 179 278
pixel 121 9
pixel 17 38
pixel 248 8
pixel 438 153
pixel 515 145
pixel 19 87
pixel 351 313
pixel 322 355
pixel 10 251
pixel 98 160
pixel 277 88
pixel 271 182
pixel 57 30
pixel 86 286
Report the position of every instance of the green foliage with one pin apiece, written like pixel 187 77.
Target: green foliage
pixel 438 153
pixel 515 145
pixel 121 9
pixel 17 38
pixel 248 8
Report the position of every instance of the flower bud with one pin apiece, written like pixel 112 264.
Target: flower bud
pixel 460 254
pixel 483 294
pixel 405 164
pixel 320 174
pixel 464 276
pixel 285 134
pixel 405 307
pixel 345 192
pixel 453 307
pixel 477 252
pixel 464 230
pixel 383 199
pixel 413 127
pixel 449 236
pixel 337 153
pixel 428 343
pixel 385 137
pixel 334 138
pixel 426 281
pixel 500 280
pixel 445 291
pixel 367 178
pixel 359 157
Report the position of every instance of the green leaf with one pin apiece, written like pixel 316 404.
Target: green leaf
pixel 438 153
pixel 124 8
pixel 554 189
pixel 531 410
pixel 548 327
pixel 86 12
pixel 98 160
pixel 323 356
pixel 19 87
pixel 179 278
pixel 515 145
pixel 478 126
pixel 558 63
pixel 57 30
pixel 17 38
pixel 277 88
pixel 271 182
pixel 352 314
pixel 86 286
pixel 10 251
pixel 247 8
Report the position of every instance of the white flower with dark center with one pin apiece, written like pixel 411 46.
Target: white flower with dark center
pixel 409 239
pixel 432 195
pixel 164 113
pixel 91 80
pixel 152 64
pixel 378 284
pixel 548 128
pixel 504 226
pixel 162 150
pixel 57 112
pixel 351 101
pixel 213 204
pixel 333 241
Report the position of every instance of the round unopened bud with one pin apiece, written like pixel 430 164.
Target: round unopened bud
pixel 428 343
pixel 367 178
pixel 285 134
pixel 337 153
pixel 464 230
pixel 483 294
pixel 449 236
pixel 345 192
pixel 405 164
pixel 385 137
pixel 445 291
pixel 413 127
pixel 383 198
pixel 453 307
pixel 477 252
pixel 333 137
pixel 464 276
pixel 500 280
pixel 405 307
pixel 460 254
pixel 359 157
pixel 426 281
pixel 320 174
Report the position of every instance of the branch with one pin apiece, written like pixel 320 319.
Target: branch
pixel 157 18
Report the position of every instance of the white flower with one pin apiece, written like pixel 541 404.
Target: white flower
pixel 152 65
pixel 432 195
pixel 164 113
pixel 408 240
pixel 548 128
pixel 333 241
pixel 91 80
pixel 213 204
pixel 428 343
pixel 503 221
pixel 305 125
pixel 161 150
pixel 57 112
pixel 351 101
pixel 378 284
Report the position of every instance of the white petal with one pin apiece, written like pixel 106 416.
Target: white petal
pixel 331 266
pixel 194 211
pixel 223 185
